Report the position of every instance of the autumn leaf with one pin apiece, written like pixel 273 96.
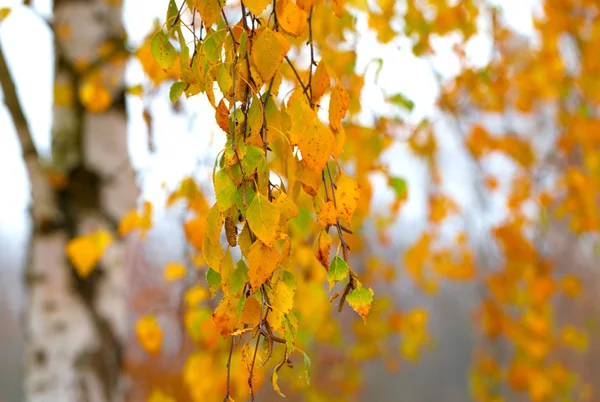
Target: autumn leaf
pixel 282 300
pixel 94 96
pixel 222 116
pixel 85 252
pixel 4 13
pixel 212 252
pixel 263 217
pixel 321 81
pixel 176 90
pixel 251 312
pixel 159 396
pixel 292 19
pixel 338 271
pixel 163 51
pixel 268 52
pixel 262 261
pixel 257 6
pixel 347 194
pixel 195 230
pixel 337 6
pixel 322 248
pixel 149 333
pixel 360 300
pixel 213 280
pixel 338 105
pixel 225 190
pixel 327 214
pixel 195 295
pixel 225 317
pixel 133 220
pixel 209 10
pixel 315 140
pixel 174 271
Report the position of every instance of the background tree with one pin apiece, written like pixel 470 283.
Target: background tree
pixel 75 321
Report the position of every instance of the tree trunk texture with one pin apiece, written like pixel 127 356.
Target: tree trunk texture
pixel 75 326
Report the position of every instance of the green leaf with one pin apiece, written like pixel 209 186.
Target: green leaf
pixel 306 366
pixel 263 217
pixel 225 190
pixel 224 78
pixel 213 279
pixel 172 12
pixel 399 186
pixel 214 223
pixel 338 270
pixel 210 47
pixel 239 277
pixel 255 116
pixel 239 197
pixel 253 157
pixel 360 300
pixel 176 90
pixel 163 51
pixel 240 306
pixel 402 101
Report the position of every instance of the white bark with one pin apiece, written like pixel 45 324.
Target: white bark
pixel 75 328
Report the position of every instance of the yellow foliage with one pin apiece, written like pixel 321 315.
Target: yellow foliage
pixel 85 252
pixel 149 333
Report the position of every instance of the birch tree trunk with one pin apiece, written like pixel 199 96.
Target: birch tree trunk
pixel 75 327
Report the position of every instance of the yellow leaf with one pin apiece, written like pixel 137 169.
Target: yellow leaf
pixel 320 81
pixel 174 271
pixel 84 252
pixel 262 261
pixel 251 312
pixel 287 208
pixel 159 396
pixel 292 19
pixel 347 196
pixel 4 12
pixel 257 6
pixel 149 333
pixel 225 316
pixel 133 221
pixel 322 248
pixel 195 295
pixel 327 214
pixel 268 52
pixel 315 140
pixel 283 300
pixel 263 217
pixel 212 252
pixel 209 10
pixel 94 96
pixel 338 105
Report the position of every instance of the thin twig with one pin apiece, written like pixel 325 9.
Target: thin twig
pixel 256 349
pixel 312 55
pixel 229 371
pixel 304 88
